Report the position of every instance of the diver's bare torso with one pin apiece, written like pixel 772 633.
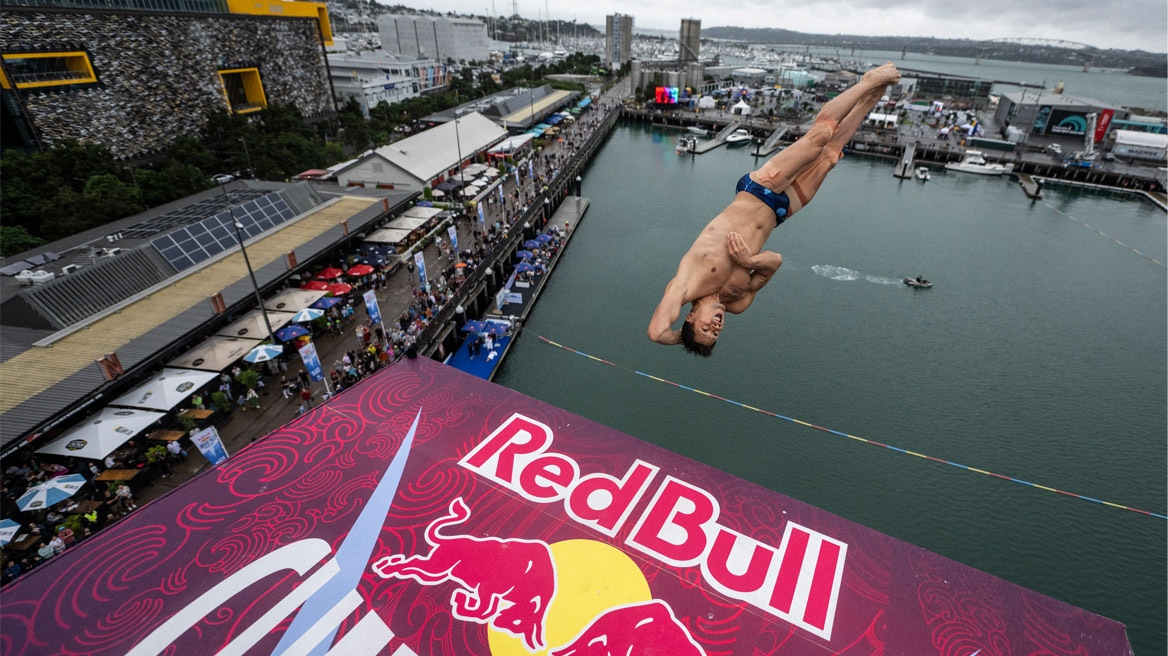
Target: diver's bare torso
pixel 708 265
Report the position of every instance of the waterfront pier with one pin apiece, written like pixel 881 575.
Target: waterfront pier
pixel 772 142
pixel 718 140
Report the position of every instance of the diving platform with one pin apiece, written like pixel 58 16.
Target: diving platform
pixel 422 486
pixel 904 167
pixel 719 139
pixel 772 142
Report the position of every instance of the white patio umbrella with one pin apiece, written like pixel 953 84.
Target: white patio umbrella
pixel 99 435
pixel 307 314
pixel 8 530
pixel 491 172
pixel 263 353
pixel 165 390
pixel 437 193
pixel 475 169
pixel 471 191
pixel 50 492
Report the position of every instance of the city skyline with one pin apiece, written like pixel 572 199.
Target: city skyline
pixel 1136 24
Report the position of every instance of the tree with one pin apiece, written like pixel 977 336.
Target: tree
pixel 15 239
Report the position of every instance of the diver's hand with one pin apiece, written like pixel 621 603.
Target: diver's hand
pixel 739 251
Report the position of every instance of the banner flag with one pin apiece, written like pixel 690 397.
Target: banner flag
pixel 311 361
pixel 372 307
pixel 210 445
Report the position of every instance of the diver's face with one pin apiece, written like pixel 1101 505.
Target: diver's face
pixel 707 321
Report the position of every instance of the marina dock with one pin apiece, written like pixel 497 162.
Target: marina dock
pixel 514 313
pixel 904 168
pixel 718 140
pixel 772 142
pixel 1031 187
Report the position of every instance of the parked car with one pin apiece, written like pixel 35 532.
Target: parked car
pixel 223 178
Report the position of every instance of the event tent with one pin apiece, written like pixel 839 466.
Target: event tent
pixel 389 236
pixel 216 353
pixel 293 300
pixel 706 102
pixel 99 435
pixel 740 107
pixel 406 223
pixel 165 390
pixel 252 323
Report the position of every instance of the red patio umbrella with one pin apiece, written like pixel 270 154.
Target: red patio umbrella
pixel 318 285
pixel 329 274
pixel 361 270
pixel 340 288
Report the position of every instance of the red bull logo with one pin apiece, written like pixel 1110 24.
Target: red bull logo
pixel 506 583
pixel 633 630
pixel 798 580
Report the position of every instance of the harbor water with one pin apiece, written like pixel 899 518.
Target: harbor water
pixel 1039 354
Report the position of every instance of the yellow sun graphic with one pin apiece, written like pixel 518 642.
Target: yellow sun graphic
pixel 592 577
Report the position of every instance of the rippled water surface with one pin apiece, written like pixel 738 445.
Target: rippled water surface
pixel 1039 354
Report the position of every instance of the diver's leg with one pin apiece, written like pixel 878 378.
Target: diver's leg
pixel 781 169
pixel 807 181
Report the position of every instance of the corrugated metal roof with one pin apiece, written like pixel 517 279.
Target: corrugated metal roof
pixel 432 152
pixel 44 382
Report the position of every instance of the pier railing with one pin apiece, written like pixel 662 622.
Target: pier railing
pixel 532 220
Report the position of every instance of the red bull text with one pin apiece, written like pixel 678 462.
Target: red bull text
pixel 798 580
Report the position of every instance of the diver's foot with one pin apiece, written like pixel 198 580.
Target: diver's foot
pixel 883 76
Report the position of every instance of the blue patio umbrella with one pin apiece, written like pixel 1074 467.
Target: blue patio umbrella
pixel 524 267
pixel 263 353
pixel 8 530
pixel 544 238
pixel 290 332
pixel 50 492
pixel 307 314
pixel 474 326
pixel 531 243
pixel 523 253
pixel 494 328
pixel 325 303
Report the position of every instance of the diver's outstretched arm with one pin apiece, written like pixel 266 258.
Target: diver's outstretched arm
pixel 661 325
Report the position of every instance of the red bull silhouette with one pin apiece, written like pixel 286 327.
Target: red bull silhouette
pixel 506 583
pixel 643 629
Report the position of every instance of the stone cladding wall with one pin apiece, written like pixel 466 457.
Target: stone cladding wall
pixel 158 74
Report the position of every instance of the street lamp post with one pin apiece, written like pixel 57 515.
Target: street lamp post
pixel 254 286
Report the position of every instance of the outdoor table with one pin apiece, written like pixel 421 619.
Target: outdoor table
pixel 28 542
pixel 117 475
pixel 86 507
pixel 197 414
pixel 166 435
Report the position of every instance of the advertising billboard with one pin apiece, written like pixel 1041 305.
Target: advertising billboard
pixel 1103 123
pixel 666 95
pixel 1067 123
pixel 425 511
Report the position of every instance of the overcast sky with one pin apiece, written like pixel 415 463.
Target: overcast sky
pixel 1127 24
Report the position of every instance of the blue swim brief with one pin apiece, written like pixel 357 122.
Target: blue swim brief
pixel 777 202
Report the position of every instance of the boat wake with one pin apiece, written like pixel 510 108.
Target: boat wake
pixel 843 273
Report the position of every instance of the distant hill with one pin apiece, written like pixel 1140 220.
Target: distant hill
pixel 1144 63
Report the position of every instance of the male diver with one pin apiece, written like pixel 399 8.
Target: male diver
pixel 726 265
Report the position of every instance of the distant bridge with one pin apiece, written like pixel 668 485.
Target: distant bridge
pixel 1050 43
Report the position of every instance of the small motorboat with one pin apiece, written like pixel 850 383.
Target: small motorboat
pixel 686 145
pixel 699 131
pixel 918 282
pixel 922 173
pixel 973 162
pixel 739 137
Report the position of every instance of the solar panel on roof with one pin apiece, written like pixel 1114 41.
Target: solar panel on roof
pixel 13 269
pixel 211 235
